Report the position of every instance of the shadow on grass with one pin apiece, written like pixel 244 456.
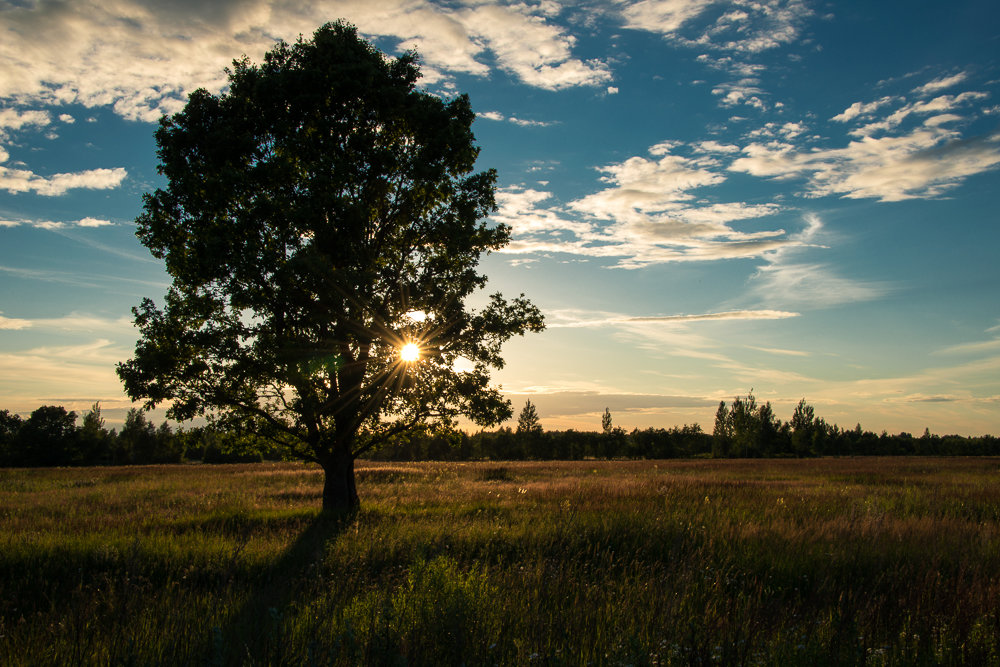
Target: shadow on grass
pixel 251 634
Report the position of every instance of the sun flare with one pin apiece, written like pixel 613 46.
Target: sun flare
pixel 409 352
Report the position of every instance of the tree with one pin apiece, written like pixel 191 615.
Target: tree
pixel 527 421
pixel 606 421
pixel 10 430
pixel 48 437
pixel 95 441
pixel 803 425
pixel 320 215
pixel 137 439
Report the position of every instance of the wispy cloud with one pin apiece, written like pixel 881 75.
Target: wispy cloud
pixel 915 150
pixel 85 369
pixel 497 116
pixel 79 279
pixel 52 225
pixel 785 280
pixel 657 319
pixel 75 322
pixel 646 213
pixel 941 83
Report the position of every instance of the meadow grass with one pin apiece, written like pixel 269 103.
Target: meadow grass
pixel 754 562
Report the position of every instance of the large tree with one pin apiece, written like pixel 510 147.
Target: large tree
pixel 323 224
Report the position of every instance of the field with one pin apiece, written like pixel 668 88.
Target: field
pixel 756 562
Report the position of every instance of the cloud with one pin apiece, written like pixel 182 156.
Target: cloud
pixel 75 322
pixel 810 285
pixel 861 109
pixel 85 369
pixel 742 26
pixel 22 180
pixel 77 279
pixel 973 348
pixel 557 402
pixel 12 119
pixel 647 213
pixel 49 224
pixel 13 324
pixel 142 57
pixel 779 351
pixel 663 16
pixel 497 116
pixel 924 162
pixel 940 84
pixel 616 320
pixel 786 281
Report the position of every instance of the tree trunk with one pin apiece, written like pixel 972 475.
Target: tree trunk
pixel 339 491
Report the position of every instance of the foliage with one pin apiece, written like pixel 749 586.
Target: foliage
pixel 606 424
pixel 752 562
pixel 528 422
pixel 318 215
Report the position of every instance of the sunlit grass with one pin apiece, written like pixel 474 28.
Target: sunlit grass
pixel 835 561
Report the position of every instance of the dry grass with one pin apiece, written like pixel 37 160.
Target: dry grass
pixel 833 561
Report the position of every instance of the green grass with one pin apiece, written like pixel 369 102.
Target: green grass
pixel 815 562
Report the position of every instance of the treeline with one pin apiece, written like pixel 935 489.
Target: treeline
pixel 50 436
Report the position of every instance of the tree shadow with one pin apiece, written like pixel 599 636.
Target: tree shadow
pixel 252 633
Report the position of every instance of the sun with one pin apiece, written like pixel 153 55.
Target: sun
pixel 409 352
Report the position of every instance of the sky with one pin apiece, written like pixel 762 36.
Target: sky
pixel 793 198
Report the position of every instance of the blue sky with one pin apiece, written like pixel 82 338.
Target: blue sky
pixel 798 198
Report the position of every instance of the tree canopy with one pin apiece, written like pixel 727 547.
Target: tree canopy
pixel 318 216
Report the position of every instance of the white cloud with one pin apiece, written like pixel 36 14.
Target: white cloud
pixel 75 322
pixel 49 224
pixel 497 116
pixel 12 119
pixel 23 180
pixel 786 281
pixel 941 83
pixel 142 57
pixel 646 214
pixel 814 285
pixel 66 118
pixel 740 26
pixel 663 16
pixel 925 163
pixel 617 320
pixel 939 104
pixel 861 109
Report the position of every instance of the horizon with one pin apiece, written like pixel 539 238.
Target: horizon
pixel 794 199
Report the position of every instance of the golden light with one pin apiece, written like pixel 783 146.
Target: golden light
pixel 409 352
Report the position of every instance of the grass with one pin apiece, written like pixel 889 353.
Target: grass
pixel 757 562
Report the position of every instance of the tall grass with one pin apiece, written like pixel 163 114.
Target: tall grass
pixel 834 561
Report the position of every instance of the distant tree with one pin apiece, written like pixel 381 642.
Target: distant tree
pixel 606 421
pixel 48 437
pixel 10 429
pixel 803 426
pixel 319 216
pixel 137 439
pixel 95 440
pixel 746 429
pixel 528 422
pixel 722 434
